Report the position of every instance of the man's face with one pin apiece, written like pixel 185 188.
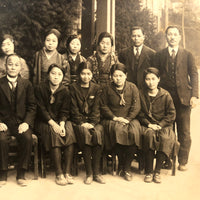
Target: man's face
pixel 173 37
pixel 13 66
pixel 137 37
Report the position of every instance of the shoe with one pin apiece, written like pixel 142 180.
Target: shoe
pixel 127 176
pixel 60 180
pixel 121 173
pixel 148 178
pixel 22 182
pixel 99 179
pixel 2 183
pixel 69 179
pixel 182 167
pixel 88 180
pixel 157 178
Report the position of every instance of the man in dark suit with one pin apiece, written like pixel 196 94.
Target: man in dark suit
pixel 179 76
pixel 17 113
pixel 137 58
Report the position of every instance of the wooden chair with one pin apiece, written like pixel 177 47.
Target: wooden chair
pixel 13 144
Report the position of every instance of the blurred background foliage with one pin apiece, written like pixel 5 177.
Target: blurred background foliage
pixel 28 20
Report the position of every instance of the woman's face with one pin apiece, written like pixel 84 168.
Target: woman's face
pixel 105 45
pixel 119 78
pixel 7 46
pixel 86 76
pixel 75 46
pixel 55 76
pixel 51 42
pixel 152 81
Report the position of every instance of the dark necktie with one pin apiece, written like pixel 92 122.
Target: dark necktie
pixel 13 86
pixel 137 55
pixel 173 55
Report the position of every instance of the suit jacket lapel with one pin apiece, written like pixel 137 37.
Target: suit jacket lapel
pixel 20 88
pixel 142 56
pixel 131 58
pixel 165 59
pixel 6 89
pixel 179 58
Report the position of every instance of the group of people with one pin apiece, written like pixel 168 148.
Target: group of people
pixel 125 104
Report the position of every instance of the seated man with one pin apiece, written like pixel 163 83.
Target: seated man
pixel 17 113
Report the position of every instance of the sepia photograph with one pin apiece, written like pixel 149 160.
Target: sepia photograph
pixel 99 99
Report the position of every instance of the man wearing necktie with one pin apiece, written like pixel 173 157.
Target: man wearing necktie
pixel 179 76
pixel 17 113
pixel 137 58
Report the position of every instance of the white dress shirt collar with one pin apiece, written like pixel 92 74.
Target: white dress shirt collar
pixel 170 50
pixel 139 49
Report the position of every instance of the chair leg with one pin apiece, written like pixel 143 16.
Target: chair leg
pixel 42 165
pixel 174 161
pixel 114 164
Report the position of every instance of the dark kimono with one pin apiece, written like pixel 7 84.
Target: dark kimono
pixel 157 110
pixel 42 63
pixel 73 65
pixel 85 107
pixel 53 106
pixel 100 69
pixel 116 132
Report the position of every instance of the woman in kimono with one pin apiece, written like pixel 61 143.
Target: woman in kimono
pixel 73 55
pixel 102 59
pixel 156 117
pixel 7 48
pixel 85 113
pixel 52 122
pixel 49 55
pixel 120 104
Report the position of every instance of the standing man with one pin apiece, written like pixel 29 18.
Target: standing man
pixel 179 76
pixel 138 57
pixel 17 113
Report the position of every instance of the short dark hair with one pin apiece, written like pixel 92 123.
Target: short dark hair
pixel 58 66
pixel 82 66
pixel 6 36
pixel 54 31
pixel 118 66
pixel 70 38
pixel 103 35
pixel 172 26
pixel 151 70
pixel 137 28
pixel 13 54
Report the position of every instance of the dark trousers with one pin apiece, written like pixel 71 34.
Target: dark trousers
pixel 24 150
pixel 125 156
pixel 183 129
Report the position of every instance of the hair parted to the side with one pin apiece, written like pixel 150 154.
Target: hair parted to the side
pixel 172 26
pixel 56 65
pixel 104 35
pixel 151 70
pixel 118 66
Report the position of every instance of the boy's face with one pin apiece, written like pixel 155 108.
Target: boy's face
pixel 51 42
pixel 137 37
pixel 13 66
pixel 173 37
